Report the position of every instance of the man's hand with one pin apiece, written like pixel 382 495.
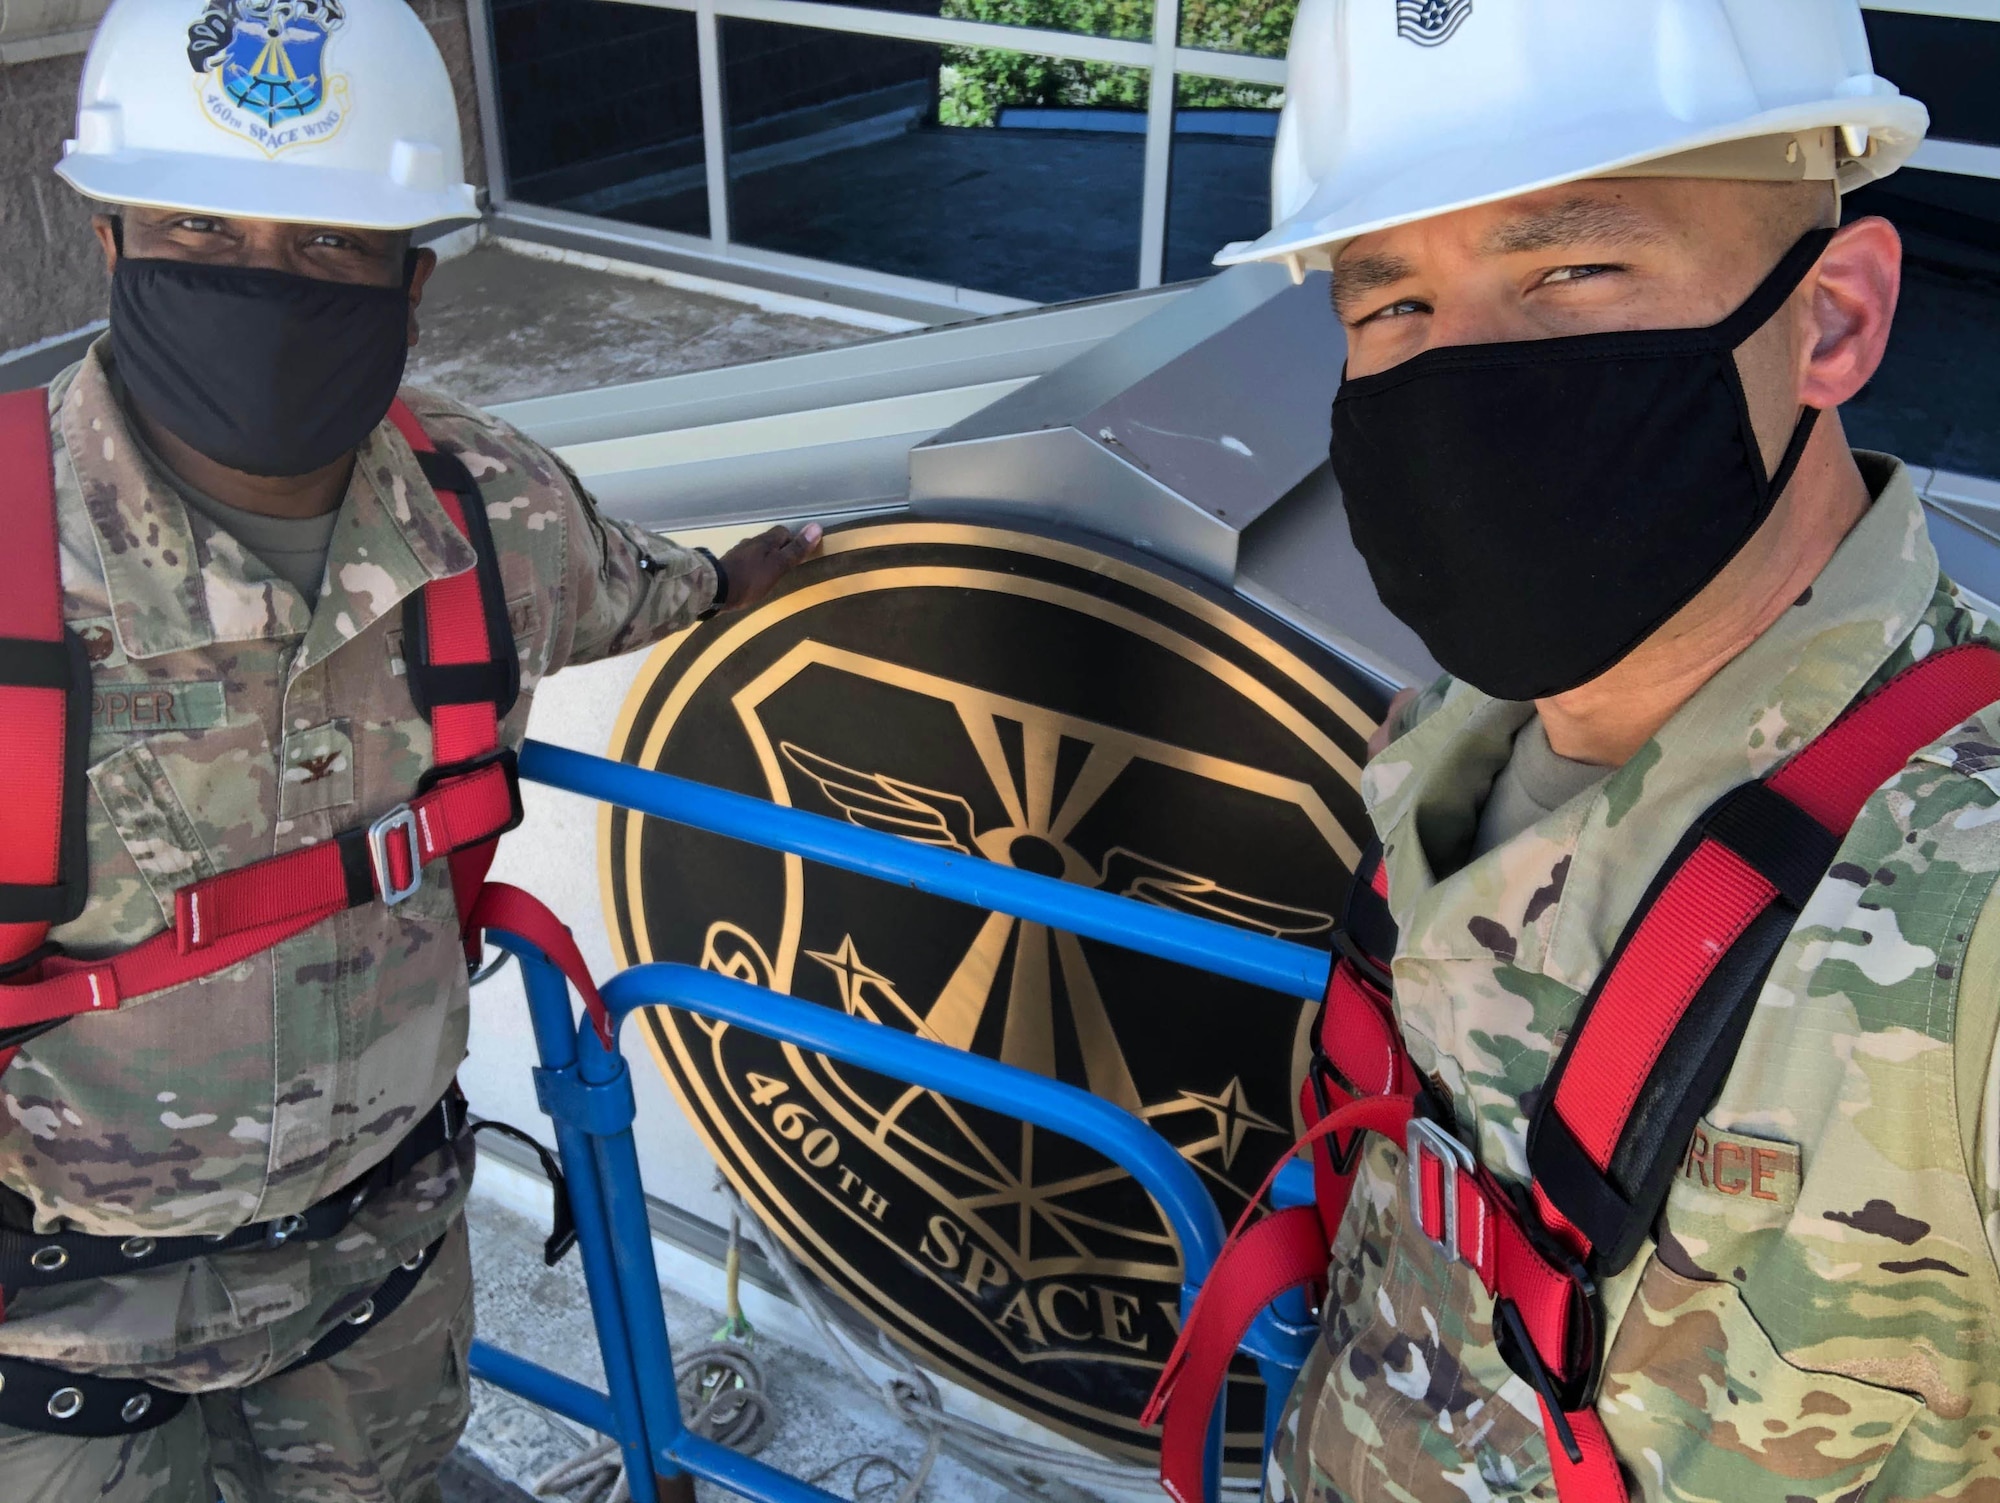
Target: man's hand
pixel 1385 732
pixel 755 565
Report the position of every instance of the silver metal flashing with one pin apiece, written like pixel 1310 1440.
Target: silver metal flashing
pixel 1176 435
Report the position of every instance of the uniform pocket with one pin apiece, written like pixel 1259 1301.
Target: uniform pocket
pixel 1415 1402
pixel 1702 1407
pixel 150 819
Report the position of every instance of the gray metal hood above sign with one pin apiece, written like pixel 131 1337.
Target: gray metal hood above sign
pixel 1198 435
pixel 1174 435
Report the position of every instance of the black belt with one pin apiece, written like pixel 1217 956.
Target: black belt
pixel 53 1402
pixel 31 1260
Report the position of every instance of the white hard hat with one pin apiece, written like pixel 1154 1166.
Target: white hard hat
pixel 314 111
pixel 1398 110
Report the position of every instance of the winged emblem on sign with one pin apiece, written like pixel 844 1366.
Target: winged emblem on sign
pixel 878 800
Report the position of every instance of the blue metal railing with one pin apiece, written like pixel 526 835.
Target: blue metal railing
pixel 587 1091
pixel 1294 970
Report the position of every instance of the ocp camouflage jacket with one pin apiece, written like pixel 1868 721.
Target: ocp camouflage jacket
pixel 231 723
pixel 1819 1315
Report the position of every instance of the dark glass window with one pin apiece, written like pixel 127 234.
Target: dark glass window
pixel 998 171
pixel 1100 18
pixel 600 110
pixel 1952 65
pixel 1220 189
pixel 1933 401
pixel 1262 28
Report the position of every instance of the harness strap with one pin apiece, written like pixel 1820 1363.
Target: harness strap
pixel 44 703
pixel 501 905
pixel 1595 1185
pixel 241 913
pixel 459 653
pixel 1258 1263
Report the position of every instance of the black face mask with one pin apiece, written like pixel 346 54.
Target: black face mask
pixel 263 371
pixel 1536 510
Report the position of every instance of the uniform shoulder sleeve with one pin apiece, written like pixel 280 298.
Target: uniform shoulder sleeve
pixel 1976 1061
pixel 617 586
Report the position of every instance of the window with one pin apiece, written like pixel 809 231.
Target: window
pixel 999 171
pixel 600 110
pixel 1221 185
pixel 1102 18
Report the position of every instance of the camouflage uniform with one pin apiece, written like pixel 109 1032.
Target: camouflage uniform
pixel 231 723
pixel 1820 1314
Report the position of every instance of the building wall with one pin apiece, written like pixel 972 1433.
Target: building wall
pixel 53 279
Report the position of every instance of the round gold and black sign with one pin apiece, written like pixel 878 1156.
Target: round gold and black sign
pixel 1055 709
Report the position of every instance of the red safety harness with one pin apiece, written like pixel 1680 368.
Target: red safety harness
pixel 463 674
pixel 1651 1046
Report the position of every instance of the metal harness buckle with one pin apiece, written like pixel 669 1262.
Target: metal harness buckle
pixel 402 818
pixel 1424 1136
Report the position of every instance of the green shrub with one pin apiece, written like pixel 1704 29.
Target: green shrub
pixel 976 83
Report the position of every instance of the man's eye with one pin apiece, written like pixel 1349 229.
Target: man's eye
pixel 333 242
pixel 1575 273
pixel 1401 308
pixel 196 225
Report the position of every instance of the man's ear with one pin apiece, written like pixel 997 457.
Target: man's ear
pixel 106 229
pixel 1853 303
pixel 423 263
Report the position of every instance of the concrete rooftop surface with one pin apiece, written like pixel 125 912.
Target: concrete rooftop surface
pixel 500 325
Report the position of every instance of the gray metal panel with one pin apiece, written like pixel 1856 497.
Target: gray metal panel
pixel 967 354
pixel 1181 430
pixel 825 482
pixel 1061 476
pixel 1096 377
pixel 1298 562
pixel 1965 527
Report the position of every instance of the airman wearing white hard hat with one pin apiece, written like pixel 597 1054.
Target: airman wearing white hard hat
pixel 1656 1092
pixel 1397 112
pixel 302 610
pixel 315 111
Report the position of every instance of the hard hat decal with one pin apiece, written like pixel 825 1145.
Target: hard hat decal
pixel 260 74
pixel 1429 23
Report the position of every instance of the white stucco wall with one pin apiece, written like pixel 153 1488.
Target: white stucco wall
pixel 554 855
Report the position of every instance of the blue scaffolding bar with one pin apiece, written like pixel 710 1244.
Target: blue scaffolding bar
pixel 587 1091
pixel 1293 969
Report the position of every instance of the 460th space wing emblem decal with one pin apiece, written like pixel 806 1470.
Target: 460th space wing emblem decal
pixel 1039 705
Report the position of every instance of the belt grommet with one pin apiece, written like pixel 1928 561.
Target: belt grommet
pixel 283 1229
pixel 48 1260
pixel 362 1313
pixel 137 1247
pixel 135 1408
pixel 65 1403
pixel 415 1261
